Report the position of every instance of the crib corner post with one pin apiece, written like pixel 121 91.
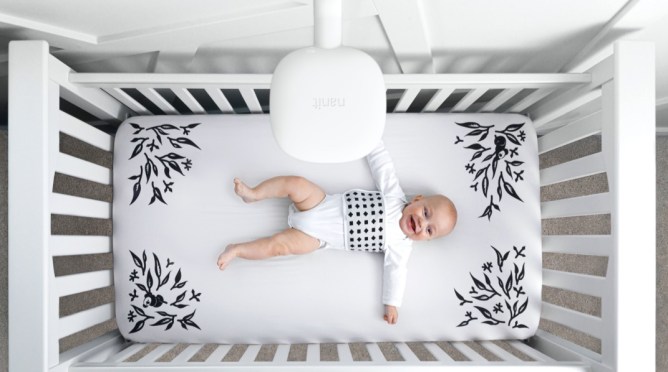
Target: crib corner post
pixel 629 144
pixel 32 138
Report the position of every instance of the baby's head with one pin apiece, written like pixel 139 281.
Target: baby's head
pixel 428 217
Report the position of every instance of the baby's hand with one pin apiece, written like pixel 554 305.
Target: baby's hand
pixel 391 314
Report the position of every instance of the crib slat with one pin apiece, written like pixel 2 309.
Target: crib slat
pixel 96 350
pixel 561 349
pixel 345 355
pixel 125 353
pixel 468 100
pixel 250 354
pixel 576 320
pixel 530 99
pixel 406 352
pixel 85 132
pixel 578 168
pixel 580 283
pixel 90 99
pixel 187 353
pixel 375 353
pixel 75 167
pixel 313 353
pixel 406 99
pixel 190 101
pixel 219 99
pixel 94 101
pixel 574 98
pixel 570 133
pixel 529 351
pixel 85 319
pixel 251 100
pixel 77 206
pixel 599 75
pixel 77 283
pixel 437 352
pixel 499 351
pixel 158 100
pixel 593 245
pixel 500 99
pixel 578 206
pixel 154 355
pixel 217 356
pixel 282 352
pixel 127 100
pixel 562 108
pixel 468 352
pixel 437 100
pixel 70 245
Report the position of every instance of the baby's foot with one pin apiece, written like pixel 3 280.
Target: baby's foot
pixel 246 193
pixel 226 257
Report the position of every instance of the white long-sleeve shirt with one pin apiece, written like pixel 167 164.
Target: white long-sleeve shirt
pixel 398 246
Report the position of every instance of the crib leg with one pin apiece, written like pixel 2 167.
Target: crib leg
pixel 33 308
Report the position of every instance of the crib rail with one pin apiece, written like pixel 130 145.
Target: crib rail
pixel 149 94
pixel 513 355
pixel 606 105
pixel 37 324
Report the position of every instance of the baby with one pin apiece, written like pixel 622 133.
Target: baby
pixel 358 220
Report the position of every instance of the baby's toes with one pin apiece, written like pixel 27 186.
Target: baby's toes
pixel 225 257
pixel 237 185
pixel 243 191
pixel 222 265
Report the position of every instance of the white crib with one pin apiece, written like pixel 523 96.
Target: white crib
pixel 613 98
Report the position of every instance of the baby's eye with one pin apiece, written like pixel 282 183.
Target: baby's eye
pixel 429 231
pixel 425 212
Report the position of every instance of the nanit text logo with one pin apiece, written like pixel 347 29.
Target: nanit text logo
pixel 328 102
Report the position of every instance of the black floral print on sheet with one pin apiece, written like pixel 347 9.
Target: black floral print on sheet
pixel 160 299
pixel 162 145
pixel 500 301
pixel 495 161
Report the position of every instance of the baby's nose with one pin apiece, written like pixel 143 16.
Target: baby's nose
pixel 418 225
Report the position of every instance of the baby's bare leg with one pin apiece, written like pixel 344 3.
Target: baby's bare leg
pixel 304 193
pixel 289 241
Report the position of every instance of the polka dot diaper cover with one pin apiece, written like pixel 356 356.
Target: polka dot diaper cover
pixel 364 221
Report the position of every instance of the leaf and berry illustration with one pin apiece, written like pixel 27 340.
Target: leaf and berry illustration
pixel 495 161
pixel 164 149
pixel 497 295
pixel 160 298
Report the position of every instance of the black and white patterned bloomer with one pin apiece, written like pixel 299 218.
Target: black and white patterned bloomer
pixel 364 221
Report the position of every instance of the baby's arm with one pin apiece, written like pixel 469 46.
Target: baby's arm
pixel 383 172
pixel 395 269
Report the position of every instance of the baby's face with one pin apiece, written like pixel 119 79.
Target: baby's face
pixel 426 218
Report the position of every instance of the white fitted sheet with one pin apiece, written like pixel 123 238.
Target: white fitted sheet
pixel 456 288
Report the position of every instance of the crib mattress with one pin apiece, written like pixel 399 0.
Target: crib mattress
pixel 175 210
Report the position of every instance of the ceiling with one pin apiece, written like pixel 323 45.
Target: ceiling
pixel 444 36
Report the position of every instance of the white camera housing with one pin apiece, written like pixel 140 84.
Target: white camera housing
pixel 327 102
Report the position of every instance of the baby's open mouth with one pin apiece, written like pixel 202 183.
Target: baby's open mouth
pixel 411 224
